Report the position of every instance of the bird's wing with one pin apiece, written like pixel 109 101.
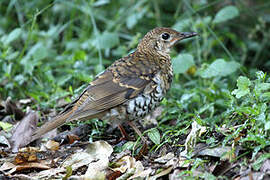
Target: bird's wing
pixel 106 92
pixel 109 89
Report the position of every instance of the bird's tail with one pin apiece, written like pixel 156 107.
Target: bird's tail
pixel 52 124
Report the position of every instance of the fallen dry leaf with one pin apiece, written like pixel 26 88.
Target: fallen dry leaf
pixel 7 166
pixel 162 173
pixel 96 157
pixel 4 141
pixel 15 168
pixel 165 158
pixel 23 157
pixel 216 152
pixel 130 168
pixel 52 145
pixel 22 133
pixel 124 163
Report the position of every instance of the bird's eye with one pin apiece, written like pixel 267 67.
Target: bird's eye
pixel 165 36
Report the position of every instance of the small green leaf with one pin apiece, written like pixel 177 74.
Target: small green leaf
pixel 79 55
pixel 225 14
pixel 131 21
pixel 182 63
pixel 68 172
pixel 267 125
pixel 154 135
pixel 220 68
pixel 243 84
pixel 5 126
pixel 128 146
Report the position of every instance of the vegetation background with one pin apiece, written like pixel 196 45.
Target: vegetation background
pixel 50 50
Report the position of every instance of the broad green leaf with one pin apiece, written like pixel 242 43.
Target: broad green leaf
pixel 225 14
pixel 154 135
pixel 182 63
pixel 133 19
pixel 106 40
pixel 243 84
pixel 40 53
pixel 12 36
pixel 266 95
pixel 263 86
pixel 182 25
pixel 220 68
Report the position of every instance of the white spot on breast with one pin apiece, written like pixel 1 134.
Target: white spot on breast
pixel 140 101
pixel 131 106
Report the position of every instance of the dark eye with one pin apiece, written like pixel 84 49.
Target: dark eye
pixel 165 36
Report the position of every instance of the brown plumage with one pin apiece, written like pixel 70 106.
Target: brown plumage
pixel 130 88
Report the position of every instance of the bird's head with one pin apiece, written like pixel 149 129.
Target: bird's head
pixel 162 39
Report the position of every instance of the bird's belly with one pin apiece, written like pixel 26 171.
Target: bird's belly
pixel 142 105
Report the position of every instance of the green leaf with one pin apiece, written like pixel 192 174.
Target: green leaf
pixel 267 125
pixel 131 21
pixel 154 135
pixel 266 95
pixel 68 172
pixel 220 68
pixel 258 163
pixel 263 86
pixel 182 25
pixel 243 84
pixel 225 14
pixel 106 40
pixel 182 63
pixel 5 126
pixel 12 36
pixel 40 53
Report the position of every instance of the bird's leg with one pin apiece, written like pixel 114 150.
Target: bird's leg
pixel 125 136
pixel 143 150
pixel 137 130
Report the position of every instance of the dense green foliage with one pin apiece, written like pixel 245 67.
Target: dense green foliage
pixel 51 49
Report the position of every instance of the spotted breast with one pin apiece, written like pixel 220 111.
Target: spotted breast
pixel 147 101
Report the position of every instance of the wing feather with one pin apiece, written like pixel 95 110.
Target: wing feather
pixel 102 94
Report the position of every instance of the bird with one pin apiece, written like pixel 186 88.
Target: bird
pixel 129 89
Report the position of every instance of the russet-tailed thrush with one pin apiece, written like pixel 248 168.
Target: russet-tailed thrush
pixel 130 88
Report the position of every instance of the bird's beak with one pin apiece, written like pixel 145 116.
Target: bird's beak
pixel 185 35
pixel 181 36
